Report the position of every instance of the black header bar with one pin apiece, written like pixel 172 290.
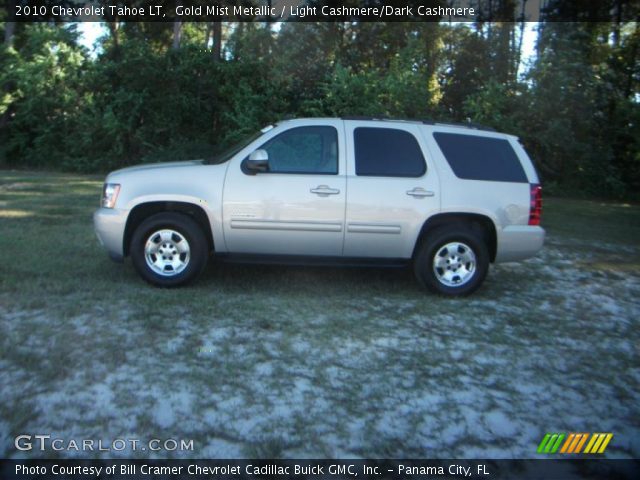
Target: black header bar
pixel 318 11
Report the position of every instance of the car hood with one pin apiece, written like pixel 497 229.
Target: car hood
pixel 154 166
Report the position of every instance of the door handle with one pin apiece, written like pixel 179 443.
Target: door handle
pixel 419 192
pixel 324 191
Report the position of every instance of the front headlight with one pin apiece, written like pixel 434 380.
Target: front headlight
pixel 110 194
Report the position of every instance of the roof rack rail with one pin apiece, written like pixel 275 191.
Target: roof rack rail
pixel 472 125
pixel 475 126
pixel 365 117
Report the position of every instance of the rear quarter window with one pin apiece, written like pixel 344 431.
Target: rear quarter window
pixel 387 152
pixel 473 157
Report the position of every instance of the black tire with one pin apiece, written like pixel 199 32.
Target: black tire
pixel 191 264
pixel 449 242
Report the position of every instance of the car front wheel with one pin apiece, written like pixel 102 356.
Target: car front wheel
pixel 169 249
pixel 452 261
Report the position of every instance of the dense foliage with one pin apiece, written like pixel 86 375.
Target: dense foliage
pixel 146 97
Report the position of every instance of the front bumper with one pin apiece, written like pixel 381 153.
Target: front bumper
pixel 518 242
pixel 109 224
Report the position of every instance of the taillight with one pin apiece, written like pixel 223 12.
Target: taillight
pixel 535 206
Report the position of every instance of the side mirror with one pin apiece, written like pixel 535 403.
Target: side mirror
pixel 258 161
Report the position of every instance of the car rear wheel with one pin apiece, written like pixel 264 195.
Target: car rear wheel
pixel 452 261
pixel 169 249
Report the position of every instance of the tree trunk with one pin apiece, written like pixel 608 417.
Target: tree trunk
pixel 207 35
pixel 113 32
pixel 9 28
pixel 10 25
pixel 177 31
pixel 217 41
pixel 617 22
pixel 431 46
pixel 177 34
pixel 629 90
pixel 518 49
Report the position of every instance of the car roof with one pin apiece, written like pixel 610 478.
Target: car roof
pixel 467 125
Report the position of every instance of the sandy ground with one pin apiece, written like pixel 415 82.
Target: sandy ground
pixel 554 347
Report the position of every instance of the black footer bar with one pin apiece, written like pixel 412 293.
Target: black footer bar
pixel 309 469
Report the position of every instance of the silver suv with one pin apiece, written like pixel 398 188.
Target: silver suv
pixel 448 199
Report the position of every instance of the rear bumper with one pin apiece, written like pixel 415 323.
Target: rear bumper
pixel 517 242
pixel 109 224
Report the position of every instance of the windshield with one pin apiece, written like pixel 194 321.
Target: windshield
pixel 231 151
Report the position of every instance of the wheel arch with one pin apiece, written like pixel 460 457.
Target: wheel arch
pixel 142 211
pixel 478 222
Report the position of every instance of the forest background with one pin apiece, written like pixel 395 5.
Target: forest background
pixel 151 92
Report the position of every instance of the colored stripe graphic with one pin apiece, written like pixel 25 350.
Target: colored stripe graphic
pixel 598 443
pixel 605 443
pixel 551 442
pixel 592 441
pixel 584 439
pixel 568 442
pixel 574 443
pixel 543 443
pixel 555 447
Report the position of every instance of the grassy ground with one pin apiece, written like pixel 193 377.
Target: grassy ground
pixel 293 362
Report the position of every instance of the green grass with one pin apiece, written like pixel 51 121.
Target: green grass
pixel 270 360
pixel 51 252
pixel 611 222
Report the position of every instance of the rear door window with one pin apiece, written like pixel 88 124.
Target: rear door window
pixel 473 157
pixel 387 152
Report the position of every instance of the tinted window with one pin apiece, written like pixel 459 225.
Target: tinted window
pixel 481 158
pixel 387 152
pixel 304 150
